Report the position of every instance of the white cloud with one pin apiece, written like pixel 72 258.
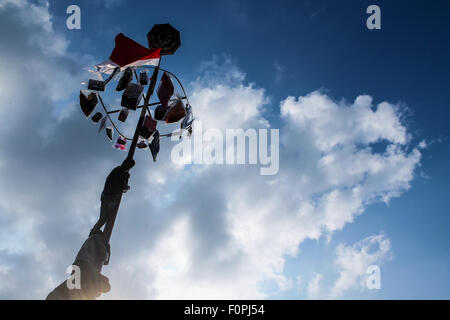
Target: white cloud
pixel 109 4
pixel 314 286
pixel 299 283
pixel 423 144
pixel 33 170
pixel 222 100
pixel 334 124
pixel 241 225
pixel 279 72
pixel 353 262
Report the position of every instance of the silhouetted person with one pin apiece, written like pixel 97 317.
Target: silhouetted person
pixel 95 251
pixel 116 184
pixel 92 255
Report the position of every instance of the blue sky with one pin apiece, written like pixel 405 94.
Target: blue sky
pixel 288 49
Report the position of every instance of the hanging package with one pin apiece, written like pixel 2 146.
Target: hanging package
pixel 165 90
pixel 160 112
pixel 125 80
pixel 109 133
pixel 148 127
pixel 132 96
pixel 154 145
pixel 143 78
pixel 88 103
pixel 188 119
pixel 176 111
pixel 102 124
pixel 141 144
pixel 121 143
pixel 99 85
pixel 123 114
pixel 97 117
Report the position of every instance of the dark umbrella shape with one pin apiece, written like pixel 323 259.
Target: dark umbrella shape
pixel 164 36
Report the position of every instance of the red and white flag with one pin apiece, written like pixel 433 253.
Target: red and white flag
pixel 128 53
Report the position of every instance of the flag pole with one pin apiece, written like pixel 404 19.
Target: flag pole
pixel 110 223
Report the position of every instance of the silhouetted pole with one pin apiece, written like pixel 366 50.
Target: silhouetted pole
pixel 110 223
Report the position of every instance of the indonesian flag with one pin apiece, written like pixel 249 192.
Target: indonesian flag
pixel 128 53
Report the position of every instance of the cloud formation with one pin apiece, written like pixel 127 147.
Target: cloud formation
pixel 314 286
pixel 353 264
pixel 182 231
pixel 354 261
